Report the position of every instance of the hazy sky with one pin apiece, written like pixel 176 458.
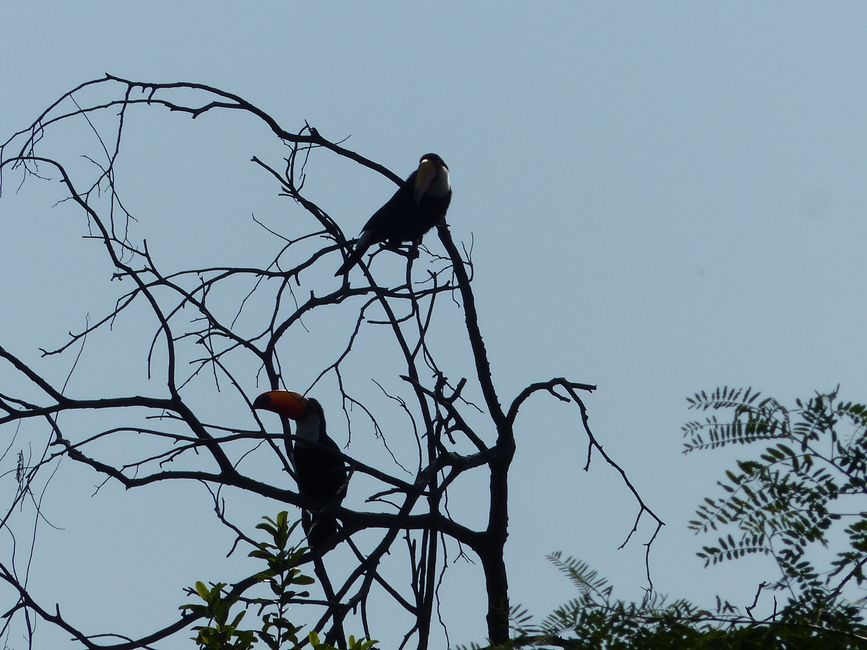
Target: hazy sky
pixel 663 198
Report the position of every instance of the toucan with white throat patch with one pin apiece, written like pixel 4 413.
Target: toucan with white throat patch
pixel 418 205
pixel 319 467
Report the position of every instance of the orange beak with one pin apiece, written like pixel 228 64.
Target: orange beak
pixel 283 402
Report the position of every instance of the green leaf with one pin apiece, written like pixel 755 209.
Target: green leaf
pixel 268 528
pixel 203 591
pixel 237 620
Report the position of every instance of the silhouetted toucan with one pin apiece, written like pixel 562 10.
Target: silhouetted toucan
pixel 319 467
pixel 416 207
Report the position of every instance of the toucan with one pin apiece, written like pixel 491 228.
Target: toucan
pixel 319 467
pixel 418 205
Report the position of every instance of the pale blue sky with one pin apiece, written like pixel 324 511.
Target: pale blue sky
pixel 664 198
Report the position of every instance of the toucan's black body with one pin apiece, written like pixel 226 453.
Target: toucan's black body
pixel 319 468
pixel 400 219
pixel 321 476
pixel 418 205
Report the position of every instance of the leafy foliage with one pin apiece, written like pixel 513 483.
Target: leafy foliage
pixel 595 619
pixel 219 634
pixel 793 495
pixel 282 576
pixel 810 471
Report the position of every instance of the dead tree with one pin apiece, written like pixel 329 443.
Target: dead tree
pixel 224 330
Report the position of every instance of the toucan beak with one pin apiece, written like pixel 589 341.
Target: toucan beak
pixel 283 402
pixel 427 173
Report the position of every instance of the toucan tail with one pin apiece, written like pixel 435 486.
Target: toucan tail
pixel 358 252
pixel 319 527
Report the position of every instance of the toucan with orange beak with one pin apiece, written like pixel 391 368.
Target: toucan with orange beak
pixel 418 205
pixel 319 467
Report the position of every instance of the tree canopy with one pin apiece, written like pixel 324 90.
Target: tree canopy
pixel 201 339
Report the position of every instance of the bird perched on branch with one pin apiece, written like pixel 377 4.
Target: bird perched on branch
pixel 319 468
pixel 416 207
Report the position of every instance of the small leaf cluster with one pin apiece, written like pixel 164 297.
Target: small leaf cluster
pixel 596 619
pixel 282 576
pixel 353 643
pixel 756 419
pixel 220 633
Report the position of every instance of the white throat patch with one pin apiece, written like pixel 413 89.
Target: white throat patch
pixel 441 186
pixel 309 427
